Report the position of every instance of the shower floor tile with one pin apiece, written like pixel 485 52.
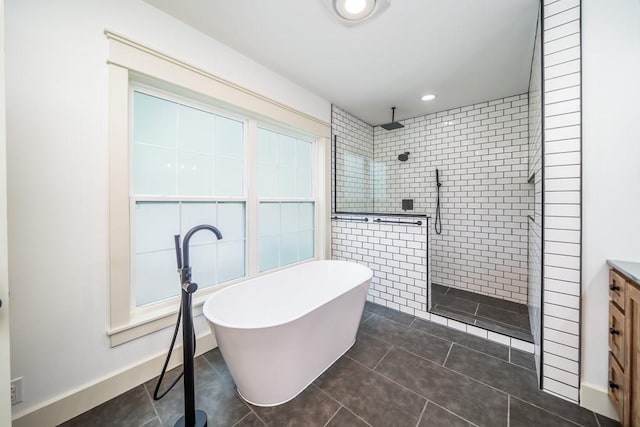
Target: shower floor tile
pixel 494 314
pixel 402 371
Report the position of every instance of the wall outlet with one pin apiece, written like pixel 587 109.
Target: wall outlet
pixel 16 391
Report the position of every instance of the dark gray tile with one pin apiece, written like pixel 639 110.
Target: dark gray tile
pixel 519 382
pixel 214 357
pixel 365 316
pixel 522 359
pixel 452 313
pixel 438 289
pixel 389 313
pixel 251 420
pixel 522 414
pixel 344 418
pixel 435 416
pixel 377 400
pixel 310 408
pixel 607 422
pixel 411 339
pixel 459 337
pixel 459 394
pixel 215 394
pixel 132 408
pixel 460 304
pixel 487 300
pixel 368 350
pixel 503 316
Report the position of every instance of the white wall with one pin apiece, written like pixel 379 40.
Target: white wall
pixel 611 164
pixel 57 179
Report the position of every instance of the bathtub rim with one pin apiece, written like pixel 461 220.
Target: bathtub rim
pixel 273 325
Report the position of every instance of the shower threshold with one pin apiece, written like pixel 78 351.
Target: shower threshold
pixel 494 314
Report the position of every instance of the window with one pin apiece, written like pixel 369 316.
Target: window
pixel 187 170
pixel 286 221
pixel 184 150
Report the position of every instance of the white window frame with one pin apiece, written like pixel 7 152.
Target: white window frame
pixel 132 66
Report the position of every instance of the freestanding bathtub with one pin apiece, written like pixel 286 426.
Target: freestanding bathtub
pixel 279 332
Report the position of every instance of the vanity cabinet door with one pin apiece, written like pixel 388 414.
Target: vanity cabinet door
pixel 632 357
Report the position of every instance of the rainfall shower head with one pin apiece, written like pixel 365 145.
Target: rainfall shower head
pixel 404 156
pixel 393 125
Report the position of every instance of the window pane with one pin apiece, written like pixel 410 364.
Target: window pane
pixel 228 177
pixel 287 151
pixel 156 224
pixel 195 174
pixel 230 260
pixel 231 221
pixel 269 219
pixel 288 248
pixel 289 217
pixel 267 147
pixel 267 180
pixel 229 138
pixel 268 252
pixel 286 182
pixel 155 121
pixel 305 245
pixel 156 276
pixel 286 232
pixel 154 170
pixel 307 220
pixel 203 264
pixel 196 130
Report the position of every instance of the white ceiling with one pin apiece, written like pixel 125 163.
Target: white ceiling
pixel 465 51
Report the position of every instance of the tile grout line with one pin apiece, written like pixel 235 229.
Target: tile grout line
pixel 508 410
pixel 340 403
pixel 424 408
pixel 453 413
pixel 245 416
pixel 548 411
pixel 597 420
pixel 385 355
pixel 332 416
pixel 448 353
pixel 153 405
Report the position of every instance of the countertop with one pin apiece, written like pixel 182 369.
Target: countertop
pixel 629 269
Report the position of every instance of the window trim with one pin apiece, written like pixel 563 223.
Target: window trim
pixel 132 62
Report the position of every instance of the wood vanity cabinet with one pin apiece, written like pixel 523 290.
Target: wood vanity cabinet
pixel 624 346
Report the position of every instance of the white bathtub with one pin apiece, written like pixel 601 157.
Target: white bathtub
pixel 280 331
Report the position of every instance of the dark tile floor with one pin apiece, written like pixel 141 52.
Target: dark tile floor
pixel 494 314
pixel 402 371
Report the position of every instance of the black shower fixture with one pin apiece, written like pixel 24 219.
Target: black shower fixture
pixel 393 125
pixel 404 156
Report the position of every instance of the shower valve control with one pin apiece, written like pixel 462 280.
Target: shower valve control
pixel 189 287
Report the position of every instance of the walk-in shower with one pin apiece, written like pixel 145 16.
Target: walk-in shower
pixel 474 197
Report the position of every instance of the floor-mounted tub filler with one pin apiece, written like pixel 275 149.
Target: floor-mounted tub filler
pixel 279 332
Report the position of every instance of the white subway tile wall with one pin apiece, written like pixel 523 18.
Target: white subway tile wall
pixel 481 152
pixel 562 181
pixel 535 175
pixel 353 162
pixel 397 254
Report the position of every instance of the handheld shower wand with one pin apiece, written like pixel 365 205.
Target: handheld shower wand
pixel 438 221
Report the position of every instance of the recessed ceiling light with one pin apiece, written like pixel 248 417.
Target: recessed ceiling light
pixel 428 97
pixel 354 10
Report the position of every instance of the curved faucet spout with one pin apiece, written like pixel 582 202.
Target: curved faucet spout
pixel 187 238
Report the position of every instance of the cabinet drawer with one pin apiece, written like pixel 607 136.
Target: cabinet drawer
pixel 616 385
pixel 617 286
pixel 616 332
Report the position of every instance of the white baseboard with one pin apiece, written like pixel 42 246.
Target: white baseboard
pixel 74 403
pixel 597 400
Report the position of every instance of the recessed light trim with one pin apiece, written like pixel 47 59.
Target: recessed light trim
pixel 428 97
pixel 354 10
